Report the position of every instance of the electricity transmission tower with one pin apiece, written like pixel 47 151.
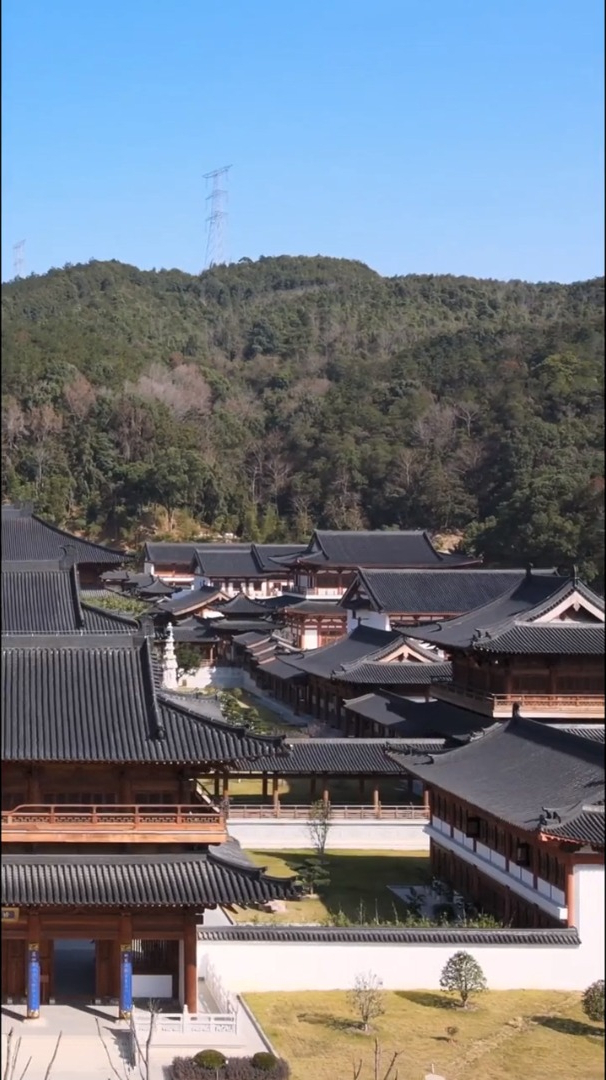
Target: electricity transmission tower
pixel 19 258
pixel 217 218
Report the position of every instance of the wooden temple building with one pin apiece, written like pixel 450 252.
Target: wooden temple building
pixel 107 832
pixel 393 599
pixel 517 823
pixel 538 648
pixel 329 563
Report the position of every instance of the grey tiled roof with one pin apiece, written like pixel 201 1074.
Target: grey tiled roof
pixel 417 720
pixel 335 757
pixel 557 638
pixel 68 701
pixel 219 876
pixel 373 548
pixel 585 731
pixel 26 537
pixel 43 598
pixel 364 643
pixel 434 592
pixel 251 638
pixel 397 673
pixel 518 770
pixel 382 935
pixel 242 605
pixel 188 601
pixel 587 824
pixel 533 597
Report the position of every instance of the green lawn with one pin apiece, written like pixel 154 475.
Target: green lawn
pixel 521 1035
pixel 356 878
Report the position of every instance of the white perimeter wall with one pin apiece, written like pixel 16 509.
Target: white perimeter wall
pixel 246 967
pixel 280 833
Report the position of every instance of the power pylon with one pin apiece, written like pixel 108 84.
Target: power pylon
pixel 19 258
pixel 216 253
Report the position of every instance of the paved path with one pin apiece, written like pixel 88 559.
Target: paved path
pixel 83 1055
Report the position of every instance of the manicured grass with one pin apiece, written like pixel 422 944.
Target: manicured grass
pixel 358 879
pixel 521 1035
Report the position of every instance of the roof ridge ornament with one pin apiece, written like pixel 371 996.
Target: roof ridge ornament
pixel 68 556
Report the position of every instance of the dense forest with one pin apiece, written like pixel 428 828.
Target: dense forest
pixel 263 398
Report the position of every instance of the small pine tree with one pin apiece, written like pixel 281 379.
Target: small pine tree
pixel 463 975
pixel 313 874
pixel 593 1001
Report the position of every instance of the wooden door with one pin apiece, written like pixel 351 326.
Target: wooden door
pixel 107 969
pixel 14 969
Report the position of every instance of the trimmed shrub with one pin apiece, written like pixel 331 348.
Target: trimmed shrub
pixel 210 1059
pixel 264 1061
pixel 244 1069
pixel 261 1066
pixel 593 1001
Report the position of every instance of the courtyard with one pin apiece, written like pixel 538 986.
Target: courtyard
pixel 516 1035
pixel 358 889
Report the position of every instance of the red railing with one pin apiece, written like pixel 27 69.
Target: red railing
pixel 114 816
pixel 549 702
pixel 338 812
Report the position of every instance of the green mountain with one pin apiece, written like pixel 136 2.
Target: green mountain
pixel 265 397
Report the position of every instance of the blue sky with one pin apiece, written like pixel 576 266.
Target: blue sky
pixel 419 136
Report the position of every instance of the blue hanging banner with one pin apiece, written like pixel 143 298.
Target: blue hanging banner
pixel 126 981
pixel 33 981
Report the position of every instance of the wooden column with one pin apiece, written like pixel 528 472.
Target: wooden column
pixel 190 964
pixel 275 792
pixel 264 785
pixel 375 801
pixel 312 789
pixel 126 968
pixel 34 793
pixel 225 784
pixel 124 788
pixel 325 791
pixel 217 784
pixel 426 803
pixel 33 966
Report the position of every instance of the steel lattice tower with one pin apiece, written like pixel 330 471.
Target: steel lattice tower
pixel 216 253
pixel 19 258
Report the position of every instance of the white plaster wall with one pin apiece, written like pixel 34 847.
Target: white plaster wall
pixel 518 879
pixel 310 638
pixel 589 908
pixel 245 967
pixel 375 619
pixel 152 986
pixel 280 834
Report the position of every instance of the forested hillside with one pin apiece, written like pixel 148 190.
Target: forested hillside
pixel 268 397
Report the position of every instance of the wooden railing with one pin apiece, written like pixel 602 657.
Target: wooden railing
pixel 130 822
pixel 338 812
pixel 502 704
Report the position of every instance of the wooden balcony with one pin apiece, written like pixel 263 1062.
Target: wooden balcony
pixel 500 706
pixel 113 824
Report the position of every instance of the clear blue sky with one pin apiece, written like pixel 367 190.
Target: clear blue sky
pixel 419 136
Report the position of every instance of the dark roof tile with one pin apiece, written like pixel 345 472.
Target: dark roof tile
pixel 219 876
pixel 432 592
pixel 26 537
pixel 382 935
pixel 517 770
pixel 65 701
